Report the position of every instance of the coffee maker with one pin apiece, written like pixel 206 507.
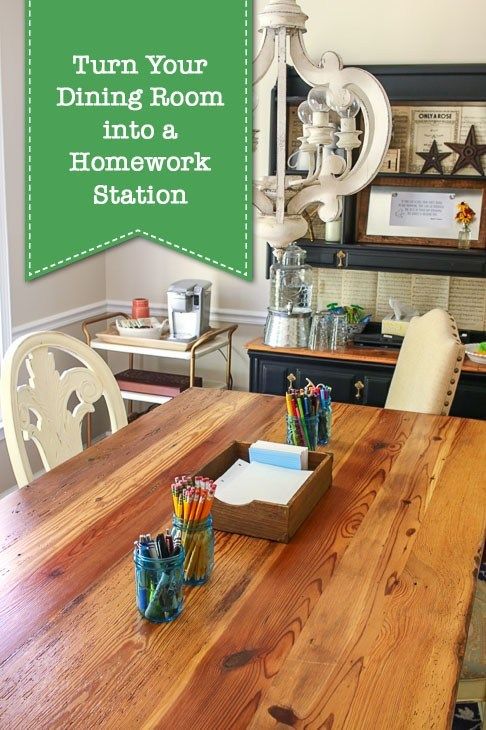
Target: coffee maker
pixel 188 302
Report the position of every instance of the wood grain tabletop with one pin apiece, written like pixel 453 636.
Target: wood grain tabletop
pixel 359 622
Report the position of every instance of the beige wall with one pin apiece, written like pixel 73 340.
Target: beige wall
pixel 78 285
pixel 397 31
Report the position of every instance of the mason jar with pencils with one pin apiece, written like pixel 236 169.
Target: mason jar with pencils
pixel 198 542
pixel 192 499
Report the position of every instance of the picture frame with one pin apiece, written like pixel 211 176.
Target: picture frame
pixel 460 186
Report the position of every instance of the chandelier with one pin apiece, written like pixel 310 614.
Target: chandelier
pixel 340 159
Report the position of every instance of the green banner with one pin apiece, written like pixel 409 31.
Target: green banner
pixel 138 124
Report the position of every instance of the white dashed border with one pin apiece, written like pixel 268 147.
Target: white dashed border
pixel 130 234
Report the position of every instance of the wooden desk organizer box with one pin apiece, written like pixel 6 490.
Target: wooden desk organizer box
pixel 267 520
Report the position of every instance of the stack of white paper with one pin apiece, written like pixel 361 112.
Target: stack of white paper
pixel 243 482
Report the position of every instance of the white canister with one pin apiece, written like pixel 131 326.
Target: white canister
pixel 332 231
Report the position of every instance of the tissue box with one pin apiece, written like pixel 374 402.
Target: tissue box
pixel 392 326
pixel 267 520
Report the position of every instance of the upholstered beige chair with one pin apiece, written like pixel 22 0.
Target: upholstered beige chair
pixel 428 366
pixel 40 411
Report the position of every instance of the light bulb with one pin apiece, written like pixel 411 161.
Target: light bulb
pixel 317 99
pixel 343 102
pixel 352 110
pixel 304 113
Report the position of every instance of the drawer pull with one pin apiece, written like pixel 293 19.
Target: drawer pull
pixel 341 257
pixel 359 385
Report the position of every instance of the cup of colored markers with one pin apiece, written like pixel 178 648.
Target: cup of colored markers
pixel 159 576
pixel 309 415
pixel 193 499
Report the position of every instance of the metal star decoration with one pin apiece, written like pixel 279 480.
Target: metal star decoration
pixel 469 152
pixel 433 159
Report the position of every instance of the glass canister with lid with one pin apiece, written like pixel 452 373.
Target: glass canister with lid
pixel 291 280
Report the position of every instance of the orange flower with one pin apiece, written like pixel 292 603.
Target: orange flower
pixel 465 214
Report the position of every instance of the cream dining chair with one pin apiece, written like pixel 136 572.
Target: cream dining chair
pixel 428 366
pixel 39 410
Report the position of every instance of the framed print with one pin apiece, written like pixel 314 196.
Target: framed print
pixel 419 211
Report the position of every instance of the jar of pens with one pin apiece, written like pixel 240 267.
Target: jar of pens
pixel 183 555
pixel 159 576
pixel 193 498
pixel 309 414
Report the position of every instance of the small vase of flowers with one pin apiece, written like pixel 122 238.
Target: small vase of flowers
pixel 464 216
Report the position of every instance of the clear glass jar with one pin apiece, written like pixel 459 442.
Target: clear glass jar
pixel 302 431
pixel 328 331
pixel 158 586
pixel 464 238
pixel 325 424
pixel 291 280
pixel 198 543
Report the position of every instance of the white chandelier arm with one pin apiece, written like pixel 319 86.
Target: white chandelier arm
pixel 313 173
pixel 262 202
pixel 307 69
pixel 265 56
pixel 281 122
pixel 328 194
pixel 349 164
pixel 317 166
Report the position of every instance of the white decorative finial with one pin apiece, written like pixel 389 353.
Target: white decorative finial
pixel 282 14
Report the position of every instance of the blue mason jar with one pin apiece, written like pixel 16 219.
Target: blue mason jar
pixel 325 424
pixel 198 543
pixel 158 586
pixel 302 431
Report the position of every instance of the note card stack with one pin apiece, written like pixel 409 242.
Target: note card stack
pixel 284 455
pixel 266 517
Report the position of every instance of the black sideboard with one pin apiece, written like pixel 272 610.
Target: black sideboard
pixel 361 381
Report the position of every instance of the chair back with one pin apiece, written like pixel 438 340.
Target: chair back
pixel 39 410
pixel 428 366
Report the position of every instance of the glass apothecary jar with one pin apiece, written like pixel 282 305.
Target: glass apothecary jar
pixel 291 280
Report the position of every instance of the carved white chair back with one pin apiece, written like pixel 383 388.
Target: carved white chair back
pixel 39 410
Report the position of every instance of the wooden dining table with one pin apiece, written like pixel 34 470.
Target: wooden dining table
pixel 360 622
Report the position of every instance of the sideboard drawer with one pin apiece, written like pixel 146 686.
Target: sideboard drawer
pixel 358 382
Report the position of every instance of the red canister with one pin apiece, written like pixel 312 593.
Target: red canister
pixel 140 308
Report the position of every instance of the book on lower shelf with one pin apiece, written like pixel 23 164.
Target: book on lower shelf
pixel 151 382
